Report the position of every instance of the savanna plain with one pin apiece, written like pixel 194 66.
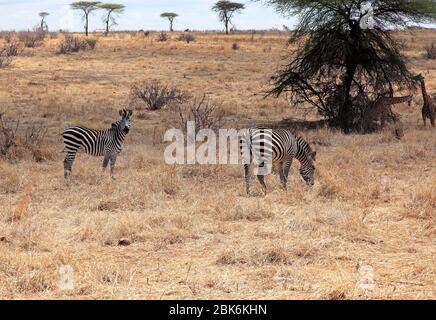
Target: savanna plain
pixel 366 230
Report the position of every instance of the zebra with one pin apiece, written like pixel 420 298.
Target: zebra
pixel 107 143
pixel 266 147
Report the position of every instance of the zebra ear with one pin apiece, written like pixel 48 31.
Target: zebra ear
pixel 314 156
pixel 130 112
pixel 122 112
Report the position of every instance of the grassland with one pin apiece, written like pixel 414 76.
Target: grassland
pixel 193 232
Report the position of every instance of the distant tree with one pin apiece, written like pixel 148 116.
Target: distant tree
pixel 286 28
pixel 112 9
pixel 170 16
pixel 226 10
pixel 86 7
pixel 43 24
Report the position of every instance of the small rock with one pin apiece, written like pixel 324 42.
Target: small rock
pixel 2 239
pixel 124 242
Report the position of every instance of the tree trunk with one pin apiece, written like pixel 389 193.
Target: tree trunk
pixel 171 26
pixel 108 19
pixel 227 26
pixel 86 24
pixel 345 112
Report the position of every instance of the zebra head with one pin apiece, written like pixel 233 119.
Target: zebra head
pixel 125 122
pixel 307 169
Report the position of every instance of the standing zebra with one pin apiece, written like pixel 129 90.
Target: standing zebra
pixel 107 143
pixel 265 147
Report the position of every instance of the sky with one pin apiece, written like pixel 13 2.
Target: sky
pixel 145 14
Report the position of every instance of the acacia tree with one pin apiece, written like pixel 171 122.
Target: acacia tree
pixel 86 7
pixel 341 64
pixel 226 10
pixel 170 16
pixel 43 24
pixel 112 9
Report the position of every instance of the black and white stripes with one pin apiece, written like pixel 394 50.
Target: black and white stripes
pixel 266 147
pixel 107 143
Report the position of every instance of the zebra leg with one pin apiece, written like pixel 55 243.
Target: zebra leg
pixel 282 174
pixel 68 164
pixel 107 157
pixel 286 168
pixel 113 161
pixel 247 178
pixel 261 179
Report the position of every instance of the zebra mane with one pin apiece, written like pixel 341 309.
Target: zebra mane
pixel 306 148
pixel 116 124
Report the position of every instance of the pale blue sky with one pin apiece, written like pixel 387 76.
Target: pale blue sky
pixel 194 14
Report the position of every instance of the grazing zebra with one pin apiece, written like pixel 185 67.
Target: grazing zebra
pixel 107 143
pixel 265 147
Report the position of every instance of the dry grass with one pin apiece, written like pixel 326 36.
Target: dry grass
pixel 163 232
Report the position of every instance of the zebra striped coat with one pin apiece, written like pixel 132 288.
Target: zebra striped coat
pixel 107 143
pixel 266 147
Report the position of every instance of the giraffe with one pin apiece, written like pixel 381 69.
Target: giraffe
pixel 428 109
pixel 381 109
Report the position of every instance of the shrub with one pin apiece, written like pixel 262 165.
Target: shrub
pixel 34 135
pixel 8 132
pixel 186 37
pixel 5 60
pixel 162 37
pixel 6 53
pixel 431 51
pixel 205 114
pixel 12 49
pixel 32 39
pixel 30 140
pixel 235 46
pixel 156 95
pixel 91 43
pixel 72 44
pixel 7 36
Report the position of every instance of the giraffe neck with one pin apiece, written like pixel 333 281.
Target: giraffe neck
pixel 424 91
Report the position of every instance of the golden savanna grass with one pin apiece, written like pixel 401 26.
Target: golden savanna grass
pixel 193 232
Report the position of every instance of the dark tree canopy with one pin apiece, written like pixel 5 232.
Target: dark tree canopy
pixel 86 7
pixel 226 10
pixel 171 16
pixel 111 10
pixel 340 65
